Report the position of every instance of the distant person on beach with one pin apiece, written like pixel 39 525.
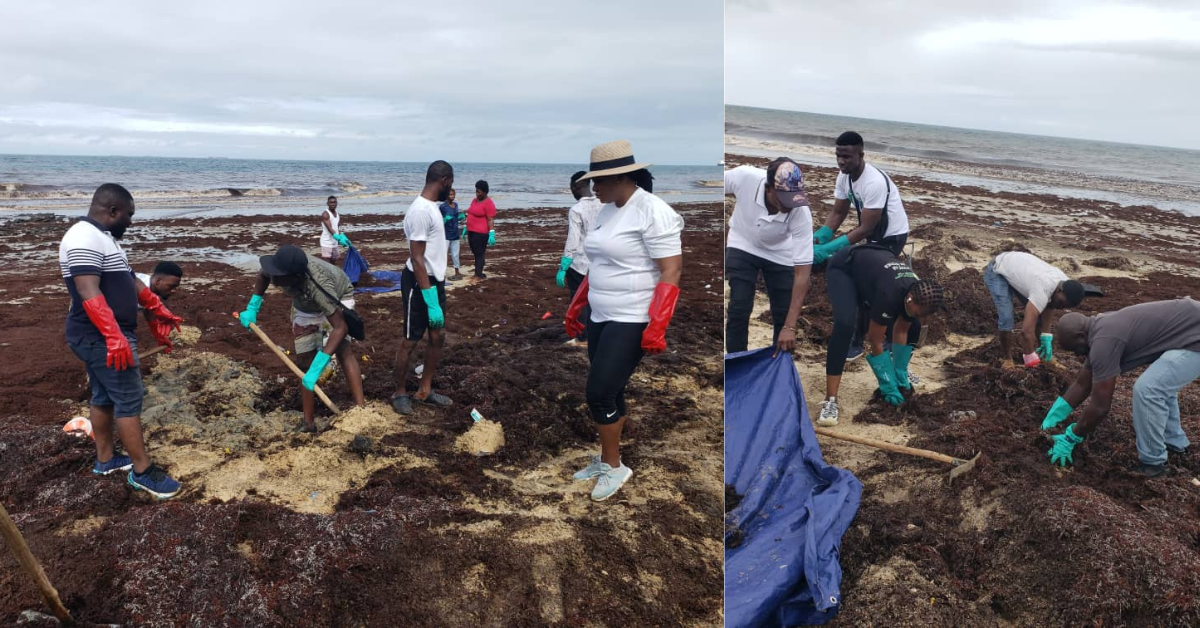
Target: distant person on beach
pixel 331 233
pixel 573 266
pixel 105 297
pixel 634 245
pixel 1163 334
pixel 769 233
pixel 423 288
pixel 320 292
pixel 1045 288
pixel 881 216
pixel 481 226
pixel 871 278
pixel 450 219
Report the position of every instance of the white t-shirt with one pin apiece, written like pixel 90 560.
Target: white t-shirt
pixel 784 238
pixel 621 248
pixel 1029 275
pixel 327 240
pixel 423 223
pixel 579 221
pixel 145 279
pixel 871 190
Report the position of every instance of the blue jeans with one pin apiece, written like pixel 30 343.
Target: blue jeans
pixel 120 389
pixel 1002 296
pixel 455 246
pixel 1156 404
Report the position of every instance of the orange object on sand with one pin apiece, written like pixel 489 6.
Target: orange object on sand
pixel 79 426
pixel 546 315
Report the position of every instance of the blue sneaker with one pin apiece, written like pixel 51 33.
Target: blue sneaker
pixel 154 481
pixel 854 353
pixel 117 463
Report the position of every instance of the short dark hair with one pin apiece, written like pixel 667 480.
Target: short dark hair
pixel 331 198
pixel 849 138
pixel 1074 292
pixel 439 169
pixel 481 185
pixel 168 268
pixel 575 177
pixel 110 194
pixel 927 292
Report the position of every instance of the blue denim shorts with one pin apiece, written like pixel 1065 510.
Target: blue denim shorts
pixel 1002 296
pixel 120 389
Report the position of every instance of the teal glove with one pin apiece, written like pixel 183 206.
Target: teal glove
pixel 823 235
pixel 900 358
pixel 341 239
pixel 492 238
pixel 884 374
pixel 1064 446
pixel 1045 351
pixel 563 265
pixel 1057 414
pixel 320 361
pixel 249 316
pixel 436 318
pixel 464 233
pixel 445 218
pixel 823 252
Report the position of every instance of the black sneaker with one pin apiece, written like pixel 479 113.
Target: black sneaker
pixel 1149 470
pixel 1178 451
pixel 402 405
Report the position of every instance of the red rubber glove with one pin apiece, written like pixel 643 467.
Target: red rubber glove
pixel 120 355
pixel 578 302
pixel 163 320
pixel 662 308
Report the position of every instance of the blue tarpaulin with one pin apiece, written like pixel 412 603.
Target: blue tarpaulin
pixel 382 275
pixel 354 265
pixel 794 507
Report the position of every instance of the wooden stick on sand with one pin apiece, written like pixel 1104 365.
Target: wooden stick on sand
pixel 292 365
pixel 16 543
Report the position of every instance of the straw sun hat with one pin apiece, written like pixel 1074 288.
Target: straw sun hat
pixel 612 158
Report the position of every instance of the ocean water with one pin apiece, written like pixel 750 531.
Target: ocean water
pixel 245 186
pixel 1167 178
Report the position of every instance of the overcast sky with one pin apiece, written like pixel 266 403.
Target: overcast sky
pixel 1125 72
pixel 469 80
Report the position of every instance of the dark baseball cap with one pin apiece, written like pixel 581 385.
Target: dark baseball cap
pixel 289 260
pixel 786 180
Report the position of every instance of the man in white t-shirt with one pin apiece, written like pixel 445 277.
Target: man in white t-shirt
pixel 881 216
pixel 769 233
pixel 573 266
pixel 1045 287
pixel 331 232
pixel 164 281
pixel 423 287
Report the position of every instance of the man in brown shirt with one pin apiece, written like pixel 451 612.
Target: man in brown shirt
pixel 1163 334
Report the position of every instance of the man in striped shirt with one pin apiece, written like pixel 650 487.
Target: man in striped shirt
pixel 100 331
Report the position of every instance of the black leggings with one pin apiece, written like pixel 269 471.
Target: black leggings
pixel 574 280
pixel 478 242
pixel 741 271
pixel 844 298
pixel 895 244
pixel 614 349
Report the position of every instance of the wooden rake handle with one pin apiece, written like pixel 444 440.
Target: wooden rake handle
pixel 886 446
pixel 16 543
pixel 292 365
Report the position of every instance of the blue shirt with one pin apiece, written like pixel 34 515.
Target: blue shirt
pixel 452 228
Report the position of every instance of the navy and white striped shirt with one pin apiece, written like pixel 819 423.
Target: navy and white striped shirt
pixel 88 249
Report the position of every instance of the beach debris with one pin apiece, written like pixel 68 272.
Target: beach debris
pixel 476 415
pixel 419 370
pixel 361 445
pixel 959 415
pixel 79 426
pixel 546 315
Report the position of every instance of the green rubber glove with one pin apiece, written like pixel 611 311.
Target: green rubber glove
pixel 1064 446
pixel 563 265
pixel 823 252
pixel 445 218
pixel 249 316
pixel 492 238
pixel 341 239
pixel 884 374
pixel 1057 414
pixel 1045 351
pixel 464 233
pixel 436 318
pixel 320 361
pixel 823 235
pixel 901 355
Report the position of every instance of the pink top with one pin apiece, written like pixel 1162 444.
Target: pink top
pixel 478 214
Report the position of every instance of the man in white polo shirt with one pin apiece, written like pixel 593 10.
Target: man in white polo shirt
pixel 769 233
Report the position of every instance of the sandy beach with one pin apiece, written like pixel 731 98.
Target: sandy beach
pixel 282 528
pixel 1014 538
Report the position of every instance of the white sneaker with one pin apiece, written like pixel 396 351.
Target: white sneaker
pixel 829 413
pixel 610 480
pixel 590 471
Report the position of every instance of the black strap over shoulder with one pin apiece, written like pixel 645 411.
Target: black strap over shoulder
pixel 880 227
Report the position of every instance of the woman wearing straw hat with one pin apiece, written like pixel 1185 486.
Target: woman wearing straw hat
pixel 635 260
